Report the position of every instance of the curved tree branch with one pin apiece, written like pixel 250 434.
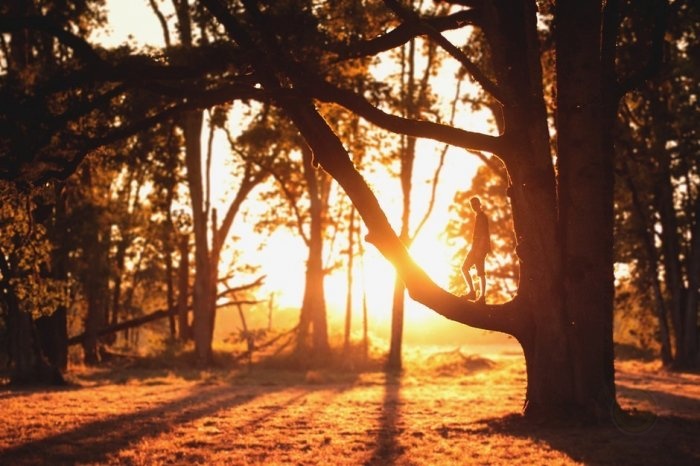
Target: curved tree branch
pixel 332 156
pixel 412 18
pixel 356 103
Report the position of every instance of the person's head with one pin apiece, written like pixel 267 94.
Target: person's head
pixel 475 203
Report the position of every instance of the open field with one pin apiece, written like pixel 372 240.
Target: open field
pixel 446 408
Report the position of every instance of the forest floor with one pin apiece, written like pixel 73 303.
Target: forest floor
pixel 446 408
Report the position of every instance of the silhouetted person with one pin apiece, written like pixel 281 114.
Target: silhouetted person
pixel 481 245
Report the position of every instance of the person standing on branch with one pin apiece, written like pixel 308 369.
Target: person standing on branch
pixel 480 247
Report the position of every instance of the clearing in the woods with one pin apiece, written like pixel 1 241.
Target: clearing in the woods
pixel 449 406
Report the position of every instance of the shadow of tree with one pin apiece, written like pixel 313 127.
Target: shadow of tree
pixel 388 449
pixel 638 438
pixel 95 441
pixel 657 400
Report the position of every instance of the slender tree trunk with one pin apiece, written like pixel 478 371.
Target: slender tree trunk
pixel 96 291
pixel 170 290
pixel 365 323
pixel 184 330
pixel 350 271
pixel 692 330
pixel 408 156
pixel 192 128
pixel 647 235
pixel 673 273
pixel 397 313
pixel 314 302
pixel 53 329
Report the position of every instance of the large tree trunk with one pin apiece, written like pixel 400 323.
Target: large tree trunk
pixel 585 166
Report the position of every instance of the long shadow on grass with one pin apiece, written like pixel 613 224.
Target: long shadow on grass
pixel 388 448
pixel 95 441
pixel 639 438
pixel 678 403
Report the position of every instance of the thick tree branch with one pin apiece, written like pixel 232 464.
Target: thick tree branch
pixel 57 166
pixel 336 161
pixel 356 103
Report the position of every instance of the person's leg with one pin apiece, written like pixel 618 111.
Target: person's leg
pixel 466 265
pixel 482 278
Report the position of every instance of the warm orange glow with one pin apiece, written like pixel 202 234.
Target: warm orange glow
pixel 282 258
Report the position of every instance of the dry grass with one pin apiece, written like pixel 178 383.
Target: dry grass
pixel 445 409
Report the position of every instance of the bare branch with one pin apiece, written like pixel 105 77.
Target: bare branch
pixel 441 162
pixel 403 33
pixel 289 196
pixel 163 22
pixel 250 180
pixel 413 19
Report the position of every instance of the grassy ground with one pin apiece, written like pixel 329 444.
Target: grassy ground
pixel 447 408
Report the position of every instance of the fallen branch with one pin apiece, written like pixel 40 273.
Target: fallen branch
pixel 138 321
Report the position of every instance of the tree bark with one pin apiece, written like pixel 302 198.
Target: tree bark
pixel 585 168
pixel 183 327
pixel 350 281
pixel 203 307
pixel 53 329
pixel 313 312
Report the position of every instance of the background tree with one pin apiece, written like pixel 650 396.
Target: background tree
pixel 659 167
